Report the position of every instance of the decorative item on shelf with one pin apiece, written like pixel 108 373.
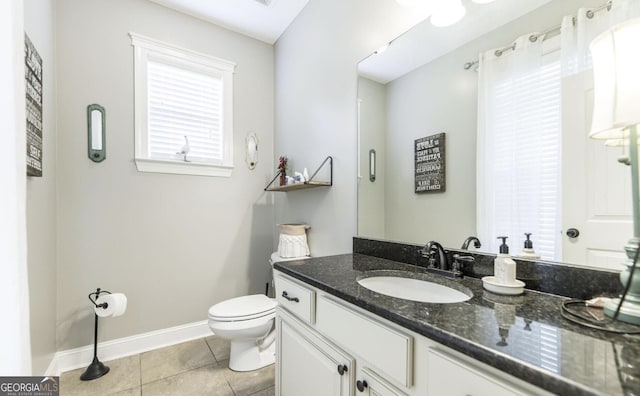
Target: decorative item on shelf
pixel 106 304
pixel 282 168
pixel 96 132
pixel 616 114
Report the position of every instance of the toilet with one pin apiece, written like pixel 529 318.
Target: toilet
pixel 249 323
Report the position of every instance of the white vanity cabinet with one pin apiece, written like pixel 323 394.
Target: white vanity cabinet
pixel 308 365
pixel 328 347
pixel 368 383
pixel 448 375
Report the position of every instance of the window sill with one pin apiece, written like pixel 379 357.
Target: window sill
pixel 182 168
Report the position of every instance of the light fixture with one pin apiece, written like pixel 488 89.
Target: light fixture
pixel 96 130
pixel 251 155
pixel 483 1
pixel 372 165
pixel 616 115
pixel 382 49
pixel 448 13
pixel 409 3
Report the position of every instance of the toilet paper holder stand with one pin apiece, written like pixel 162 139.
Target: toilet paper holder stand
pixel 96 369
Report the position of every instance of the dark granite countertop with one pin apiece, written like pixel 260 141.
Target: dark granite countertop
pixel 525 336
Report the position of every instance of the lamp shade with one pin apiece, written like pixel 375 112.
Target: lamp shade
pixel 616 73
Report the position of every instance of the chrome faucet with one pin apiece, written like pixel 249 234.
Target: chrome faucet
pixel 430 250
pixel 475 240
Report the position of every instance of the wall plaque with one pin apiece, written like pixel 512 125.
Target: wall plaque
pixel 33 76
pixel 430 164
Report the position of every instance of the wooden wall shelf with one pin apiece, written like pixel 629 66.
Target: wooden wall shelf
pixel 307 184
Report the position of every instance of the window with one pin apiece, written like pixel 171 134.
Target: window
pixel 183 102
pixel 520 189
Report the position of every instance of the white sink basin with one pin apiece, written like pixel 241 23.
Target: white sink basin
pixel 413 289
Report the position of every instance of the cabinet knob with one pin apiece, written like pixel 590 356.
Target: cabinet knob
pixel 361 385
pixel 286 295
pixel 342 369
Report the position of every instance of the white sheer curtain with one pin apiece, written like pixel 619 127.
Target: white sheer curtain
pixel 519 131
pixel 518 147
pixel 578 31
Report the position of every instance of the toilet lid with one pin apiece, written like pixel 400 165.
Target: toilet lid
pixel 243 308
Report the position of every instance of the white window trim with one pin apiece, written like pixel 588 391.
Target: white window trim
pixel 146 48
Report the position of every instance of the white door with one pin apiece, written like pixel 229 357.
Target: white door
pixel 309 366
pixel 596 187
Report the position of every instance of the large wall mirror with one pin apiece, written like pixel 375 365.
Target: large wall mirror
pixel 419 86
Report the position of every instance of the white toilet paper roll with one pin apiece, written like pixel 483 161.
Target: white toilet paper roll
pixel 116 305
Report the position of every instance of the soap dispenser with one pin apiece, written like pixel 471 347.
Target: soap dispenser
pixel 528 252
pixel 504 268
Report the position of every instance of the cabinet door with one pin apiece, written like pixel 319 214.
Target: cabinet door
pixel 447 376
pixel 311 366
pixel 370 384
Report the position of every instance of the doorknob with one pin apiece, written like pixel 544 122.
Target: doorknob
pixel 573 233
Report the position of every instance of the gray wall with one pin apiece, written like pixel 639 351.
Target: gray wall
pixel 316 92
pixel 372 100
pixel 174 244
pixel 39 24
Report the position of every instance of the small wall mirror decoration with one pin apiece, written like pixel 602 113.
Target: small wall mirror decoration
pixel 96 148
pixel 372 165
pixel 252 150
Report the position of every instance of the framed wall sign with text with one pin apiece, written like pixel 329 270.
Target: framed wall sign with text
pixel 33 76
pixel 430 164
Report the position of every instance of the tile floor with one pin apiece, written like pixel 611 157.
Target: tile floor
pixel 197 367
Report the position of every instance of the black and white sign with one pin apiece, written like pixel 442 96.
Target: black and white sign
pixel 430 164
pixel 33 76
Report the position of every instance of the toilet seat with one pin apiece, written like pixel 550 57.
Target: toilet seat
pixel 243 308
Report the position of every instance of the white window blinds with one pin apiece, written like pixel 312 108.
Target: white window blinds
pixel 184 103
pixel 183 110
pixel 527 164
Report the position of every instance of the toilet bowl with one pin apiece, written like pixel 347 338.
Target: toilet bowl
pixel 249 323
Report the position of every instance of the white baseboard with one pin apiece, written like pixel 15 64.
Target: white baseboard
pixel 108 350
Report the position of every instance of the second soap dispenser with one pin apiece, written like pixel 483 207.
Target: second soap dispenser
pixel 528 252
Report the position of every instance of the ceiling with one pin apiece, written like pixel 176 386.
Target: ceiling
pixel 264 20
pixel 401 56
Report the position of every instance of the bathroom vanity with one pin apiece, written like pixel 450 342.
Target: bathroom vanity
pixel 336 337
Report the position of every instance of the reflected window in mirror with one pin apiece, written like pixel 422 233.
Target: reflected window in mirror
pixel 519 137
